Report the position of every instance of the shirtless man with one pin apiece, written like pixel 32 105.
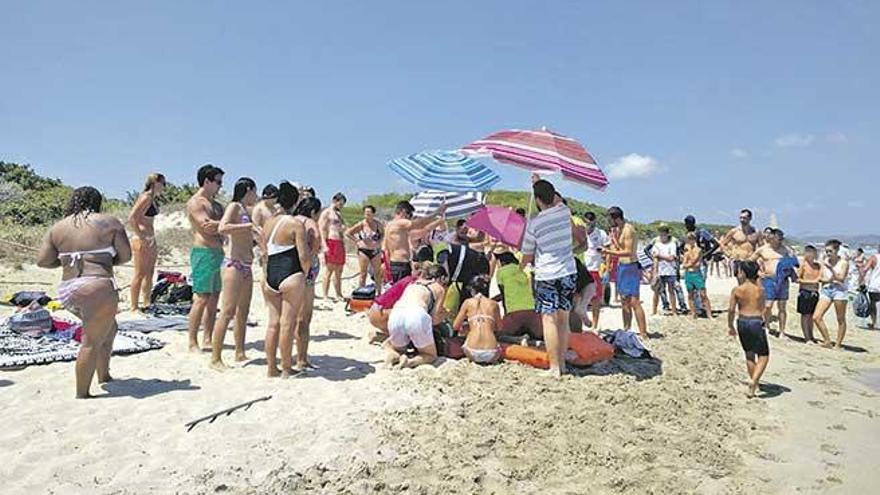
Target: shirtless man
pixel 204 214
pixel 629 273
pixel 748 299
pixel 739 243
pixel 333 231
pixel 809 274
pixel 265 209
pixel 775 287
pixel 397 237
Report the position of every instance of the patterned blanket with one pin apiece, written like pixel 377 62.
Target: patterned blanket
pixel 17 350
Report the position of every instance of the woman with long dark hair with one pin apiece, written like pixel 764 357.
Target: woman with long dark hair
pixel 288 260
pixel 307 212
pixel 145 252
pixel 87 245
pixel 238 278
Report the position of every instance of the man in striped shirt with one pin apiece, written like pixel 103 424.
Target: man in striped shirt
pixel 547 243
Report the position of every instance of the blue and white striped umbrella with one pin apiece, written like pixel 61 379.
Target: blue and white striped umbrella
pixel 445 171
pixel 457 204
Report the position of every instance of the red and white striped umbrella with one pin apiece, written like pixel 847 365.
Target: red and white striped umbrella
pixel 542 150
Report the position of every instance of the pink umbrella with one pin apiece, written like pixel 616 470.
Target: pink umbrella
pixel 499 222
pixel 541 151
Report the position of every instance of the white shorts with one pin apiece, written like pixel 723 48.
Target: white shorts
pixel 407 324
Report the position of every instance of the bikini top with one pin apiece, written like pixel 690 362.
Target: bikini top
pixel 431 302
pixel 480 317
pixel 374 236
pixel 271 247
pixel 152 211
pixel 76 256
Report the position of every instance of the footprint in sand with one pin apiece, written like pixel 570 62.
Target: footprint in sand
pixel 829 449
pixel 816 403
pixel 837 427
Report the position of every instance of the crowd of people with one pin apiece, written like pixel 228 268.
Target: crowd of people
pixel 422 276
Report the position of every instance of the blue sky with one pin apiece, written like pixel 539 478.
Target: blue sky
pixel 691 107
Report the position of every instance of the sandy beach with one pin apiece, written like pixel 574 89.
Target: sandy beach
pixel 679 424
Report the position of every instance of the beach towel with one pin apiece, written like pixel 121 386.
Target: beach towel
pixel 17 350
pixel 627 342
pixel 150 325
pixel 160 310
pixel 785 268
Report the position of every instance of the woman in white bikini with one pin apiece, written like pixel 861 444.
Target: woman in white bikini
pixel 287 262
pixel 835 291
pixel 143 240
pixel 238 277
pixel 368 234
pixel 482 315
pixel 87 245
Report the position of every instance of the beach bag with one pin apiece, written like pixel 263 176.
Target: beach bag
pixel 32 322
pixel 862 304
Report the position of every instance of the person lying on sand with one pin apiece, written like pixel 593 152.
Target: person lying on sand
pixel 238 277
pixel 482 316
pixel 88 244
pixel 413 318
pixel 747 299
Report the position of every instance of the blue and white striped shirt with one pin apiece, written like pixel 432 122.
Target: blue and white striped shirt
pixel 548 237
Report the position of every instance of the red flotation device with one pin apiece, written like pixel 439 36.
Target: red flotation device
pixel 358 305
pixel 588 347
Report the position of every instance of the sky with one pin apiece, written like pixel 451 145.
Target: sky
pixel 689 107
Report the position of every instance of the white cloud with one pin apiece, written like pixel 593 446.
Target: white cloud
pixel 836 137
pixel 634 166
pixel 739 153
pixel 794 140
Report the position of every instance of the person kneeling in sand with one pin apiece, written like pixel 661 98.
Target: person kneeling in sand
pixel 413 318
pixel 517 298
pixel 748 299
pixel 482 315
pixel 380 311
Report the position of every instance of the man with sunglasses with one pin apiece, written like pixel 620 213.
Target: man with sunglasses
pixel 204 214
pixel 740 242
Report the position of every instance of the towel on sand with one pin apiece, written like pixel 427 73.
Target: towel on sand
pixel 17 350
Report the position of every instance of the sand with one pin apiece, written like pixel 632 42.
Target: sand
pixel 680 424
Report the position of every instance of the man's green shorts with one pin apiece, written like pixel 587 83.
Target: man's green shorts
pixel 205 263
pixel 694 281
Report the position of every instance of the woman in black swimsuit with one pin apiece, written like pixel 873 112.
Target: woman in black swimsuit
pixel 143 240
pixel 368 234
pixel 288 261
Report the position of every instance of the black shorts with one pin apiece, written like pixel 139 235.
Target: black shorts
pixel 400 269
pixel 583 276
pixel 718 257
pixel 873 299
pixel 806 301
pixel 752 336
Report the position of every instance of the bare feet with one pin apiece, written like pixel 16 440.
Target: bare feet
pixel 291 373
pixel 753 387
pixel 390 361
pixel 218 365
pixel 206 346
pixel 105 379
pixel 85 396
pixel 827 345
pixel 194 347
pixel 240 357
pixel 274 373
pixel 402 362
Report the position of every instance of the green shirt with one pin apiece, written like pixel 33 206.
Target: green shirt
pixel 517 288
